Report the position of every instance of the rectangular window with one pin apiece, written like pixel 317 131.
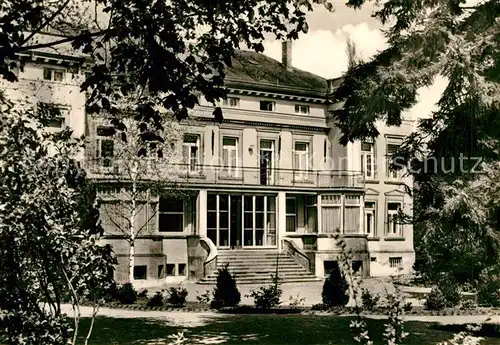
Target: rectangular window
pixel 105 145
pixel 170 270
pixel 232 102
pixel 311 213
pixel 301 158
pixel 53 74
pixel 161 271
pixel 181 269
pixel 291 214
pixel 331 218
pixel 190 151
pixel 301 109
pixel 394 227
pixel 212 217
pixel 352 214
pixel 171 215
pixel 267 105
pixel 391 149
pixel 230 156
pixel 395 262
pixel 140 272
pixel 368 159
pixel 53 116
pixel 370 219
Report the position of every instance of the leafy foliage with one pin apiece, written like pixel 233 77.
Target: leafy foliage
pixel 204 298
pixel 172 50
pixel 369 300
pixel 156 300
pixel 226 292
pixel 335 289
pixel 489 288
pixel 177 296
pixel 48 231
pixel 428 41
pixel 435 299
pixel 268 297
pixel 127 294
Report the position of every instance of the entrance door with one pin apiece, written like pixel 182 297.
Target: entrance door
pixel 266 162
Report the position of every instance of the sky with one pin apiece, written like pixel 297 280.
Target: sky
pixel 322 50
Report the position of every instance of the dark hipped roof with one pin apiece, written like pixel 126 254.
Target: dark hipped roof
pixel 257 71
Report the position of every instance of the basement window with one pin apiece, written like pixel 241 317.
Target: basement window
pixel 395 262
pixel 140 272
pixel 267 105
pixel 170 269
pixel 161 271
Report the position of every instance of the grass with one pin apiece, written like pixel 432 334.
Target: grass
pixel 257 329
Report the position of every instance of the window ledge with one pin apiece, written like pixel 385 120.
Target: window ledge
pixel 192 174
pixel 394 239
pixel 230 178
pixel 394 181
pixel 373 238
pixel 303 180
pixel 367 181
pixel 300 234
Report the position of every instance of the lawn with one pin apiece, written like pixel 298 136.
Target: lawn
pixel 256 329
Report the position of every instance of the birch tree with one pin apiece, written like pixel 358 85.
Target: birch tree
pixel 142 167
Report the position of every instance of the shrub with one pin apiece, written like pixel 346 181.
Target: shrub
pixel 267 297
pixel 319 306
pixel 296 302
pixel 451 292
pixel 156 300
pixel 435 300
pixel 226 292
pixel 370 301
pixel 489 288
pixel 143 294
pixel 205 297
pixel 407 307
pixel 177 296
pixel 335 290
pixel 127 294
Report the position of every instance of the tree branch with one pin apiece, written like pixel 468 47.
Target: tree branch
pixel 61 41
pixel 51 18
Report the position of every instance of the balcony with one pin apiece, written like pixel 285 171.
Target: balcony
pixel 190 174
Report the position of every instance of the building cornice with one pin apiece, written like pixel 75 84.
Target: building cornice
pixel 264 124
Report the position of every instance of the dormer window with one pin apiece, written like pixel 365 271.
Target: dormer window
pixel 301 109
pixel 232 102
pixel 267 105
pixel 53 74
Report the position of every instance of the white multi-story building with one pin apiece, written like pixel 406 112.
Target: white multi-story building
pixel 271 178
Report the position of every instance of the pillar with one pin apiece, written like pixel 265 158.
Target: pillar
pixel 281 218
pixel 202 213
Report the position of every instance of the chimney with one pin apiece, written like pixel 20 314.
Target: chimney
pixel 286 54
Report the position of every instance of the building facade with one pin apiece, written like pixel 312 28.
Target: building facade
pixel 271 177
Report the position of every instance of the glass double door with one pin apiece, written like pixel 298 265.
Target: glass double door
pixel 236 221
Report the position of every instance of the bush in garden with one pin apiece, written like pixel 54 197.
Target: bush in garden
pixel 177 296
pixel 143 294
pixel 127 294
pixel 370 301
pixel 296 302
pixel 451 292
pixel 205 297
pixel 267 297
pixel 335 290
pixel 488 292
pixel 226 292
pixel 156 300
pixel 435 299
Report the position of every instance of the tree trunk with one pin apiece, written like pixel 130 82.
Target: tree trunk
pixel 132 225
pixel 131 260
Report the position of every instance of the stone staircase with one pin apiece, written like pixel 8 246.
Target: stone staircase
pixel 256 267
